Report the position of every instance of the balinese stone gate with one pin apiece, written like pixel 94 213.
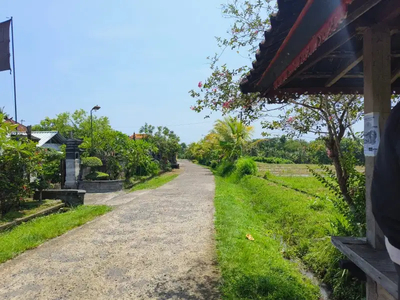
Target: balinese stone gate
pixel 72 163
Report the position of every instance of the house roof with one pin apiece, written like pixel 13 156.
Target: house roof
pixel 24 135
pixel 138 136
pixel 20 127
pixel 46 136
pixel 315 46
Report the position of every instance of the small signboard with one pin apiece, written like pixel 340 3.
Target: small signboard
pixel 371 134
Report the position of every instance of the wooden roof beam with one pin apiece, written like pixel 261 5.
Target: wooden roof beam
pixel 350 64
pixel 395 54
pixel 346 32
pixel 395 75
pixel 340 38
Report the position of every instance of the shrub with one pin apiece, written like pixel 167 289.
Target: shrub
pixel 213 164
pixel 165 165
pixel 91 162
pixel 246 166
pixel 19 158
pixel 268 175
pixel 153 168
pixel 51 165
pixel 272 160
pixel 225 168
pixel 97 176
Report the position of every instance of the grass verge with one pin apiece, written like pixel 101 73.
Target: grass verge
pixel 33 233
pixel 253 269
pixel 27 208
pixel 155 182
pixel 299 225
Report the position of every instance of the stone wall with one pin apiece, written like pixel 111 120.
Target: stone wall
pixel 70 197
pixel 101 186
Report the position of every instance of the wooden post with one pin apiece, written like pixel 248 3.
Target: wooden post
pixel 377 99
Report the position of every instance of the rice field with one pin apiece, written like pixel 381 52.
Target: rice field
pixel 295 170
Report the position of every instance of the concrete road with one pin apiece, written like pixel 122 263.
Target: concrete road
pixel 156 244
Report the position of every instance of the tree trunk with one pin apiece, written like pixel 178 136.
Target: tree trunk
pixel 340 174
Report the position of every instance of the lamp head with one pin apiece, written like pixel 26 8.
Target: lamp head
pixel 96 107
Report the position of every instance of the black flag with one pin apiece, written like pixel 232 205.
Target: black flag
pixel 5 46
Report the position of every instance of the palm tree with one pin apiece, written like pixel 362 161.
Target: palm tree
pixel 233 136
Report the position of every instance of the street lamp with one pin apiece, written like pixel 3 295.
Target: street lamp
pixel 91 123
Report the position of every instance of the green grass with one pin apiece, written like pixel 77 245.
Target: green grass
pixel 27 208
pixel 253 269
pixel 297 170
pixel 286 224
pixel 154 182
pixel 309 185
pixel 33 233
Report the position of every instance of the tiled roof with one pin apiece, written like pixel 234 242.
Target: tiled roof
pixel 20 127
pixel 138 136
pixel 281 23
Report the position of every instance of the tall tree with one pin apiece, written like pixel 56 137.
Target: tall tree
pixel 233 136
pixel 330 117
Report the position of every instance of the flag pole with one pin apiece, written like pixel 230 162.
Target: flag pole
pixel 13 55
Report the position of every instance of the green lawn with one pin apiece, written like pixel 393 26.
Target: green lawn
pixel 33 233
pixel 27 208
pixel 155 182
pixel 253 269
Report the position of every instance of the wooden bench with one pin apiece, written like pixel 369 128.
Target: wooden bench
pixel 374 263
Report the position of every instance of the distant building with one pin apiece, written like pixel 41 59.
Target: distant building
pixel 138 136
pixel 44 139
pixel 20 127
pixel 49 139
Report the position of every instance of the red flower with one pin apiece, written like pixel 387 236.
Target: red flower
pixel 214 90
pixel 290 119
pixel 330 118
pixel 200 84
pixel 192 108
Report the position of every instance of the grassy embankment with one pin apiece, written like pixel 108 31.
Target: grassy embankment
pixel 33 233
pixel 27 208
pixel 290 229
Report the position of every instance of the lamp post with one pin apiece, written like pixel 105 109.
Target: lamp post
pixel 95 108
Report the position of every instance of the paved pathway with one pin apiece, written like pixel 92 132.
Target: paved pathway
pixel 156 244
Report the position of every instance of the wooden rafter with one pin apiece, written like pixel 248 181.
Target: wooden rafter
pixel 396 54
pixel 340 37
pixel 395 74
pixel 342 71
pixel 388 12
pixel 325 49
pixel 329 75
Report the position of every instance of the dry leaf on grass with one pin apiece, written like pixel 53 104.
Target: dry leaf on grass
pixel 249 237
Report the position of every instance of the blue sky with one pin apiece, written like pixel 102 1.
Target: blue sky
pixel 135 59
